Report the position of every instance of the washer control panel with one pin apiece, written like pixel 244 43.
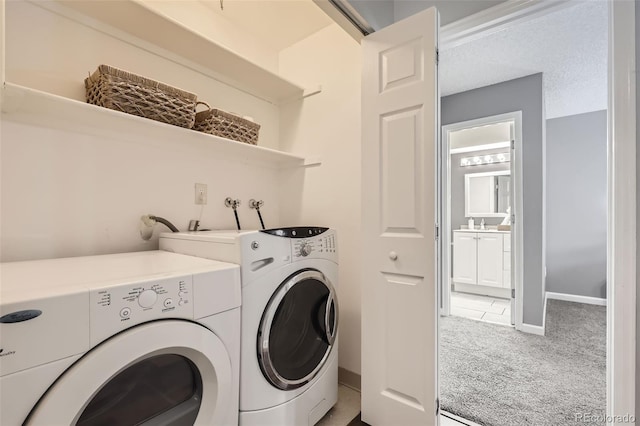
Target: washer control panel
pixel 321 246
pixel 118 307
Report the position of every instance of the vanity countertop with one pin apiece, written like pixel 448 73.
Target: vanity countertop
pixel 495 231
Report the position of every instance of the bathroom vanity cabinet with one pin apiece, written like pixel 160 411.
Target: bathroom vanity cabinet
pixel 482 257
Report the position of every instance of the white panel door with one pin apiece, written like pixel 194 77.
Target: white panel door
pixel 399 295
pixel 490 259
pixel 465 257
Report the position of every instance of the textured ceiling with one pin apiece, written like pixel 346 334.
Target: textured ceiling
pixel 568 46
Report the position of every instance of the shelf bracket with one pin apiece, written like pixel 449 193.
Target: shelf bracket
pixel 311 91
pixel 306 93
pixel 312 162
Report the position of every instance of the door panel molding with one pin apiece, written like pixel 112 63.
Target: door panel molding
pixel 399 307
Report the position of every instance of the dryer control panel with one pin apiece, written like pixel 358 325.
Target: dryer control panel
pixel 316 247
pixel 119 307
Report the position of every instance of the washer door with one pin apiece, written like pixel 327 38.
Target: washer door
pixel 160 373
pixel 298 330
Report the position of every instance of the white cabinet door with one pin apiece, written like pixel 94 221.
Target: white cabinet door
pixel 399 296
pixel 490 271
pixel 465 257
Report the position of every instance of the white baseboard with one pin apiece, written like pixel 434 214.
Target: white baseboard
pixel 482 290
pixel 578 299
pixel 537 329
pixel 532 329
pixel 544 311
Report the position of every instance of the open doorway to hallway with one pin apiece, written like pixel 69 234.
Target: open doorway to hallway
pixel 481 192
pixel 550 369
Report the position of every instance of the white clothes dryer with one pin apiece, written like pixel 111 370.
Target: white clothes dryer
pixel 289 351
pixel 147 338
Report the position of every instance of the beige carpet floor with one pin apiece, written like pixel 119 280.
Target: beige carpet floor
pixel 496 376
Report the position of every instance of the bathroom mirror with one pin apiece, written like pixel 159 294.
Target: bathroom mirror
pixel 487 194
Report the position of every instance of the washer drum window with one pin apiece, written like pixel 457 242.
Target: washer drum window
pixel 298 330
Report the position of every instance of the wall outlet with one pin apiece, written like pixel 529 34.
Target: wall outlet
pixel 201 193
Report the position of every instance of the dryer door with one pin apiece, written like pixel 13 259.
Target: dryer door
pixel 298 329
pixel 160 373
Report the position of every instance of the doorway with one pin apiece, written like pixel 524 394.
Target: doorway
pixel 621 237
pixel 481 190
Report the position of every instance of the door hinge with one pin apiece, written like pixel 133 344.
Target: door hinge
pixel 513 219
pixel 437 406
pixel 437 232
pixel 513 293
pixel 437 57
pixel 513 144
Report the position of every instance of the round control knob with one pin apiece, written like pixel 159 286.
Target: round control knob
pixel 147 298
pixel 305 249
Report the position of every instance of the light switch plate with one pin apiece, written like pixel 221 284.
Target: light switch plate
pixel 201 193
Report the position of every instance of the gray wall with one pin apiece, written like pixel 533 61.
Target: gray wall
pixel 378 13
pixel 381 13
pixel 457 186
pixel 522 94
pixel 450 10
pixel 577 204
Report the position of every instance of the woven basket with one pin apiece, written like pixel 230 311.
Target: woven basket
pixel 230 126
pixel 112 88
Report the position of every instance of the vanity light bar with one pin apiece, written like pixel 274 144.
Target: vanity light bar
pixel 480 160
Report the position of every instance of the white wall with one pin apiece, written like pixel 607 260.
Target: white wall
pixel 490 134
pixel 327 126
pixel 207 19
pixel 70 194
pixel 54 54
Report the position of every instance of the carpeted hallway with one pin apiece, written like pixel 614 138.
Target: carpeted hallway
pixel 495 376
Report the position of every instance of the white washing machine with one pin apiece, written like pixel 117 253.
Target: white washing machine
pixel 289 351
pixel 147 338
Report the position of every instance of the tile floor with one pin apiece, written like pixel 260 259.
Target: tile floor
pixel 347 409
pixel 483 308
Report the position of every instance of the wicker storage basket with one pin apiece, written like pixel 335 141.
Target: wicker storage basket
pixel 112 88
pixel 230 126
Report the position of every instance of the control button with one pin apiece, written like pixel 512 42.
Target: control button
pixel 168 303
pixel 305 249
pixel 147 298
pixel 255 245
pixel 125 313
pixel 181 294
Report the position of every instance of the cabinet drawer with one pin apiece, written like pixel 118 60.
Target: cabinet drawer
pixel 507 242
